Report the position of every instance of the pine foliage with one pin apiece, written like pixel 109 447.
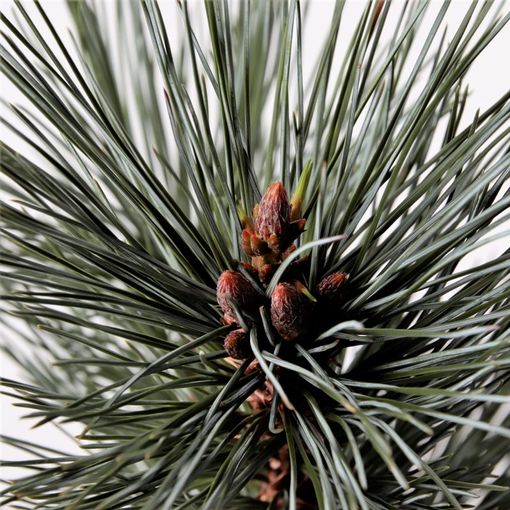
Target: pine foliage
pixel 144 145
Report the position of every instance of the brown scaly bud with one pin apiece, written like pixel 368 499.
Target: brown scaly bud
pixel 258 246
pixel 233 286
pixel 228 320
pixel 272 216
pixel 288 251
pixel 275 243
pixel 266 271
pixel 251 270
pixel 246 242
pixel 289 312
pixel 265 265
pixel 330 288
pixel 237 344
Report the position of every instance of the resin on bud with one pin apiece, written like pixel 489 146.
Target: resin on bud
pixel 234 287
pixel 272 215
pixel 237 344
pixel 289 312
pixel 330 288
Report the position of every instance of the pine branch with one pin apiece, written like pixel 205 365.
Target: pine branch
pixel 133 171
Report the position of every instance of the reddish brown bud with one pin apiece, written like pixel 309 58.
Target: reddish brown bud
pixel 265 265
pixel 289 312
pixel 258 246
pixel 228 320
pixel 234 287
pixel 272 215
pixel 275 243
pixel 237 344
pixel 251 270
pixel 266 271
pixel 288 251
pixel 330 287
pixel 246 242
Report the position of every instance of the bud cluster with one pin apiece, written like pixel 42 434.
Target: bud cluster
pixel 268 239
